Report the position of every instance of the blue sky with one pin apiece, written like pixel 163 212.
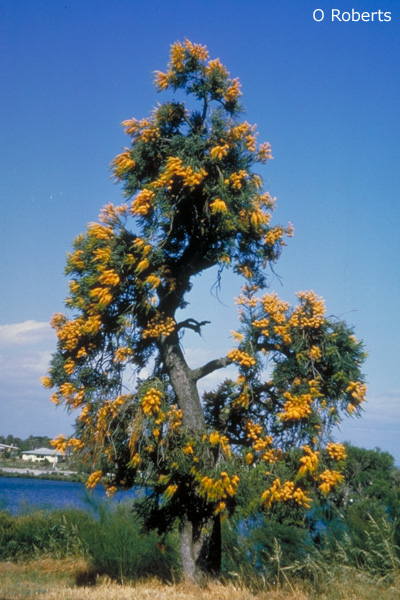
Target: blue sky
pixel 325 94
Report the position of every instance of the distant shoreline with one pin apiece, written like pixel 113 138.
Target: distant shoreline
pixel 30 473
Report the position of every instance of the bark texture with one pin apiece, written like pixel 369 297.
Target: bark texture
pixel 200 549
pixel 200 541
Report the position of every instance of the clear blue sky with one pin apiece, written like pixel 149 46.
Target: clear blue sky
pixel 325 94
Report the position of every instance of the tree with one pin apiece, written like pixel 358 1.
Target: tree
pixel 370 476
pixel 192 202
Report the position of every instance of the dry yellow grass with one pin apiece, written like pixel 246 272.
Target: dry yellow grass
pixel 27 580
pixel 49 579
pixel 150 590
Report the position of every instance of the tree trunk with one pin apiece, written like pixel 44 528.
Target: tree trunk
pixel 200 542
pixel 200 549
pixel 184 384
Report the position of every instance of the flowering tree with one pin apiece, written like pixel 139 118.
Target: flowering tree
pixel 192 202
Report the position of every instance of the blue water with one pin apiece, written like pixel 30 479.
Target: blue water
pixel 21 495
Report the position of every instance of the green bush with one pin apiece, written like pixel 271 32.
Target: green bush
pixel 40 532
pixel 119 548
pixel 112 540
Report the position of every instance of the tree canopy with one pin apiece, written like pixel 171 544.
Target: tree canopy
pixel 193 200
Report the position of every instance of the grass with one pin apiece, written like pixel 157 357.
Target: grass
pixel 60 579
pixel 30 579
pixel 71 554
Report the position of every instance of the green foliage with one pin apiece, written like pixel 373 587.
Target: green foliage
pixel 118 547
pixel 372 474
pixel 112 540
pixel 30 443
pixel 256 549
pixel 40 532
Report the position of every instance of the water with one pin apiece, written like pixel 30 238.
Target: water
pixel 18 494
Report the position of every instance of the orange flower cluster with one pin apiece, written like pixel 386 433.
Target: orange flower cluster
pixel 242 399
pixel 170 491
pixel 260 444
pixel 143 202
pixel 141 245
pixel 100 232
pixel 245 271
pixel 237 336
pixel 217 439
pixel 122 354
pixel 94 479
pixel 275 310
pixel 161 80
pixel 242 358
pixel 75 259
pixel 233 91
pixel 71 395
pixel 336 451
pixel 122 163
pixel 274 235
pixel 329 480
pixel 315 353
pixel 109 214
pixel 69 366
pixel 282 493
pixel 144 129
pixel 158 326
pixel 153 280
pixel 179 50
pixel 253 430
pixel 46 382
pixel 264 152
pixel 92 325
pixel 218 205
pixel 236 179
pixel 188 448
pixel 218 152
pixel 151 402
pixel 257 217
pixel 68 332
pixel 175 418
pixel 218 490
pixel 60 443
pixel 102 296
pixel 296 407
pixel 109 277
pixel 174 168
pixel 357 391
pixel 309 462
pixel 102 255
pixel 215 66
pixel 311 312
pixel 179 53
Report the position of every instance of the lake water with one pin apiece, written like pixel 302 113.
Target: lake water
pixel 18 494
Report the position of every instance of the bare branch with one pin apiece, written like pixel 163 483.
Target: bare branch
pixel 192 324
pixel 210 367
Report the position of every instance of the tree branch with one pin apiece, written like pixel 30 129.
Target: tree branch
pixel 210 367
pixel 192 324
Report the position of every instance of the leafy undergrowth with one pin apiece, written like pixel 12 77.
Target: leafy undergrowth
pixel 73 579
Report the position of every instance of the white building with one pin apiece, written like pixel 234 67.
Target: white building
pixel 53 456
pixel 4 447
